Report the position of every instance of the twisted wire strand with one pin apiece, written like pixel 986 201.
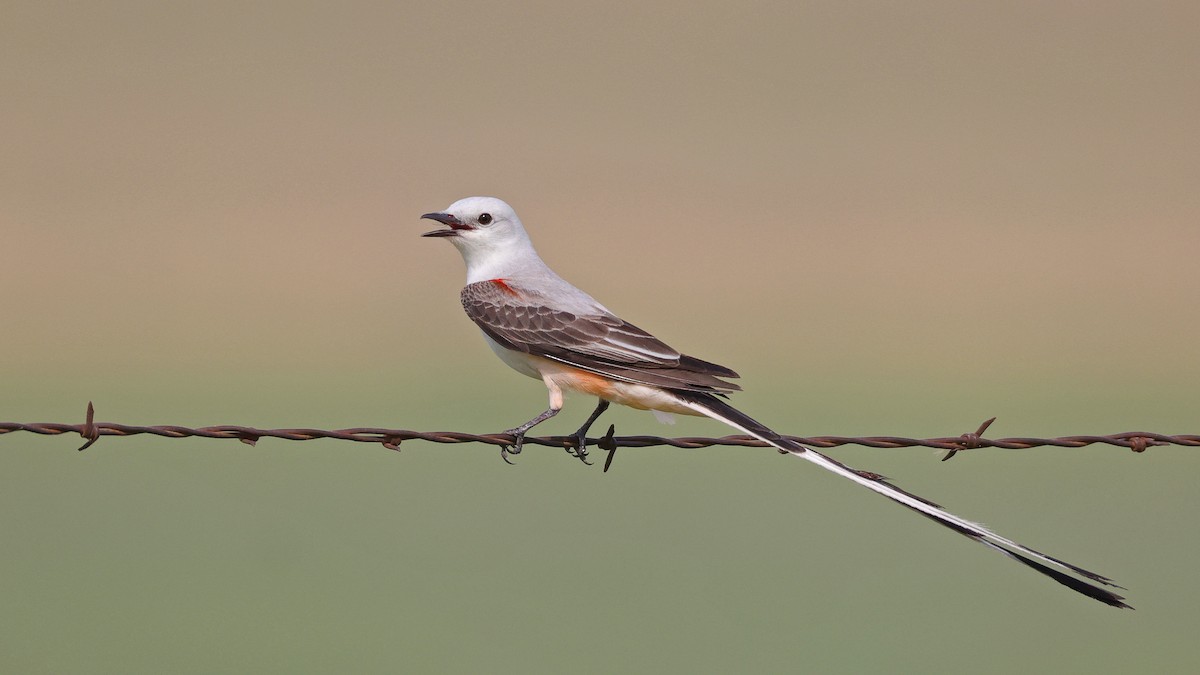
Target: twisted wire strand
pixel 91 431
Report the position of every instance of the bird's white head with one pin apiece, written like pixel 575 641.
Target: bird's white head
pixel 487 232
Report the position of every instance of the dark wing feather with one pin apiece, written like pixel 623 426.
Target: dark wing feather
pixel 598 342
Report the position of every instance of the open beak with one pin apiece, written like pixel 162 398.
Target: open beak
pixel 448 220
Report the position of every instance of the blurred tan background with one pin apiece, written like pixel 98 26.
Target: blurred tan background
pixel 891 218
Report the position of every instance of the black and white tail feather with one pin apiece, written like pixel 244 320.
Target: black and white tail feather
pixel 713 407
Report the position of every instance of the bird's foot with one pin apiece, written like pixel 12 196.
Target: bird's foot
pixel 579 449
pixel 507 451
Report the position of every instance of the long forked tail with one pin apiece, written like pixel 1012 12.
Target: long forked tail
pixel 713 407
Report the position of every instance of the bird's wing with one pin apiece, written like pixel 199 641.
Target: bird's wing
pixel 526 321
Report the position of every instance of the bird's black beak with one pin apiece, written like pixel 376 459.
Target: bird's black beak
pixel 446 219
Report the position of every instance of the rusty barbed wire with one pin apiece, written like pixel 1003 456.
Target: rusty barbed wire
pixel 91 431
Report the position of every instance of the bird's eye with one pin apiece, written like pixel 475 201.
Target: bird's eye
pixel 485 218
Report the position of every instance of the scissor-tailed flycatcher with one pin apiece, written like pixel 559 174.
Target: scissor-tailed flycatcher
pixel 545 328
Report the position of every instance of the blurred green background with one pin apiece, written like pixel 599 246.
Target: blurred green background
pixel 891 218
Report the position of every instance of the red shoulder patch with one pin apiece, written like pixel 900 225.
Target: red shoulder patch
pixel 502 284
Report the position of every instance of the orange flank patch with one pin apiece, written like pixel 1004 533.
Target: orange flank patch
pixel 559 376
pixel 588 383
pixel 502 284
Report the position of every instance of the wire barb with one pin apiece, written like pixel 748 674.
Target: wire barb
pixel 970 440
pixel 89 430
pixel 607 443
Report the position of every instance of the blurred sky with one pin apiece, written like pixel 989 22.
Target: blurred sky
pixel 889 217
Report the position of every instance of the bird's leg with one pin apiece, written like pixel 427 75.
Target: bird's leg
pixel 581 435
pixel 518 433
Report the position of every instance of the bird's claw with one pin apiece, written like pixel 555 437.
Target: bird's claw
pixel 579 449
pixel 515 449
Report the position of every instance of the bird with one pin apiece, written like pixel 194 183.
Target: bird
pixel 542 326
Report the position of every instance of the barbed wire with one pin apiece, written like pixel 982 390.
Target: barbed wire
pixel 91 431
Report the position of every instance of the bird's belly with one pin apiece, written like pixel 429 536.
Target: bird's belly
pixel 518 361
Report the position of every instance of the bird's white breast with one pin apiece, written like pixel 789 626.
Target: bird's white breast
pixel 518 361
